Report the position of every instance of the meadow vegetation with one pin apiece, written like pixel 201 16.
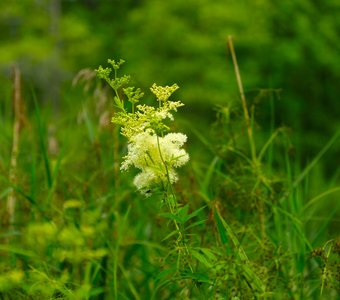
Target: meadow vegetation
pixel 246 217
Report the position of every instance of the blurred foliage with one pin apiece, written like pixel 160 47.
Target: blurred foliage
pixel 75 231
pixel 288 46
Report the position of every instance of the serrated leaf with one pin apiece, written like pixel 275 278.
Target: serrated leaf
pixel 118 103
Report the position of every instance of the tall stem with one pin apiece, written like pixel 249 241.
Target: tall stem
pixel 174 207
pixel 244 102
pixel 11 200
pixel 249 130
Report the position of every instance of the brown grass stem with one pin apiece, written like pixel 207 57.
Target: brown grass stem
pixel 11 199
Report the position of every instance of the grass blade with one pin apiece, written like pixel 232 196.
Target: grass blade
pixel 42 141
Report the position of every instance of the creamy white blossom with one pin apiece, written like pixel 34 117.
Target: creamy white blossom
pixel 151 149
pixel 156 157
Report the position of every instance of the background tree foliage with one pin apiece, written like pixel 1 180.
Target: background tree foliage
pixel 258 221
pixel 289 46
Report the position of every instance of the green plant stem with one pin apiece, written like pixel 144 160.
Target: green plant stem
pixel 174 207
pixel 243 100
pixel 116 91
pixel 251 140
pixel 327 250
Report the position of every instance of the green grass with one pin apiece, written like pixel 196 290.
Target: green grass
pixel 264 230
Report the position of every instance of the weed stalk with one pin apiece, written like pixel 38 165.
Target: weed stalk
pixel 173 207
pixel 251 140
pixel 11 199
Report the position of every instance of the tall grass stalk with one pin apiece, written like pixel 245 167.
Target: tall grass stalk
pixel 17 107
pixel 249 124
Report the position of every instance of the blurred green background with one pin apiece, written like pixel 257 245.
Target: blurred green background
pixel 292 47
pixel 73 203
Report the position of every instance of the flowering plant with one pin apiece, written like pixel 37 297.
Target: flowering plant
pixel 151 148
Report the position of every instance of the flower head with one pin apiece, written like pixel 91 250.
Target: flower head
pixel 156 157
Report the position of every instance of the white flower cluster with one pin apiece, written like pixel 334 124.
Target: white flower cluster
pixel 151 149
pixel 156 157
